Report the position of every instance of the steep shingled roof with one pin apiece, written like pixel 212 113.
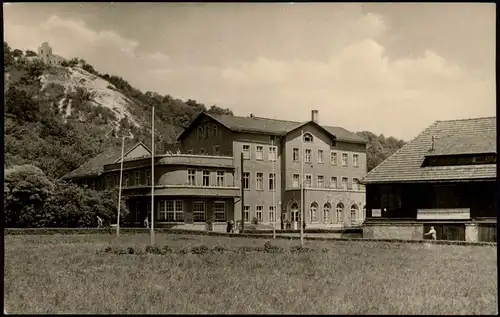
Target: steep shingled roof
pixel 273 126
pixel 95 166
pixel 451 137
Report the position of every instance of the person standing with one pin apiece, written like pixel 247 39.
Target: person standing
pixel 146 223
pixel 432 233
pixel 99 222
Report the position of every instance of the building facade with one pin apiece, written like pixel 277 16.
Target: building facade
pixel 201 177
pixel 445 178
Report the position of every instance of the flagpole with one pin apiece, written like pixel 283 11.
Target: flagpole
pixel 274 189
pixel 120 191
pixel 152 176
pixel 302 188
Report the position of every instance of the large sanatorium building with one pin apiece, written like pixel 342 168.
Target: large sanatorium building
pixel 200 179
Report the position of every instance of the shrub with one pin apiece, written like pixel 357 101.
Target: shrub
pixel 166 249
pixel 153 249
pixel 255 221
pixel 299 249
pixel 218 248
pixel 130 250
pixel 269 248
pixel 202 249
pixel 183 251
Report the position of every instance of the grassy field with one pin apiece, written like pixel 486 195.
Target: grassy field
pixel 67 274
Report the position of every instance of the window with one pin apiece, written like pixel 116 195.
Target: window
pixel 340 210
pixel 137 216
pixel 307 156
pixel 308 138
pixel 246 213
pixel 259 153
pixel 308 182
pixel 355 184
pixel 200 133
pixel 333 158
pixel 207 131
pixel 320 156
pixel 170 211
pixel 246 180
pixel 355 160
pixel 333 182
pixel 246 151
pixel 214 129
pixel 344 159
pixel 295 154
pixel 192 177
pixel 217 150
pixel 220 211
pixel 206 178
pixel 148 177
pixel 272 214
pixel 295 180
pixel 125 179
pixel 294 211
pixel 137 178
pixel 334 143
pixel 258 212
pixel 199 211
pixel 260 181
pixel 314 212
pixel 354 213
pixel 272 153
pixel 272 181
pixel 220 178
pixel 326 213
pixel 321 181
pixel 344 183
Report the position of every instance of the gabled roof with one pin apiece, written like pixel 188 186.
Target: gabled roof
pixel 95 166
pixel 269 126
pixel 451 137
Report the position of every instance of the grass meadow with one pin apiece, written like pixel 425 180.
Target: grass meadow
pixel 70 274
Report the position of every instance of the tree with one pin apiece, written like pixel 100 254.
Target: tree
pixel 21 105
pixel 17 53
pixel 221 111
pixel 7 54
pixel 89 68
pixel 30 53
pixel 26 188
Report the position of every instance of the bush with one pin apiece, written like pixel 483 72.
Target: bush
pixel 153 249
pixel 202 249
pixel 255 221
pixel 218 248
pixel 166 249
pixel 299 249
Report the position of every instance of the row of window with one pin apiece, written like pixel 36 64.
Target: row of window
pixel 259 181
pixel 207 130
pixel 328 217
pixel 220 179
pixel 114 180
pixel 173 211
pixel 272 152
pixel 259 210
pixel 272 155
pixel 320 157
pixel 321 182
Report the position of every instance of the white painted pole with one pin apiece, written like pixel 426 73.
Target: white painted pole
pixel 275 188
pixel 120 191
pixel 152 176
pixel 302 180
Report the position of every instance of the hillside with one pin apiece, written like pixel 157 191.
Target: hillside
pixel 58 117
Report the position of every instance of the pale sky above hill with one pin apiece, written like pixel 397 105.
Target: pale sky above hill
pixel 386 68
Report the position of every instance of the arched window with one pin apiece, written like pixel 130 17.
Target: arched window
pixel 354 213
pixel 326 213
pixel 308 138
pixel 294 211
pixel 314 212
pixel 340 209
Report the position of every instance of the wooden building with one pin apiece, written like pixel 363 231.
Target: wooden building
pixel 445 177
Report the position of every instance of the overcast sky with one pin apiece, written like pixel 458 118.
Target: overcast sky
pixel 386 68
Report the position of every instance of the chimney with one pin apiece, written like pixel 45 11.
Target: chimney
pixel 314 116
pixel 251 115
pixel 432 144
